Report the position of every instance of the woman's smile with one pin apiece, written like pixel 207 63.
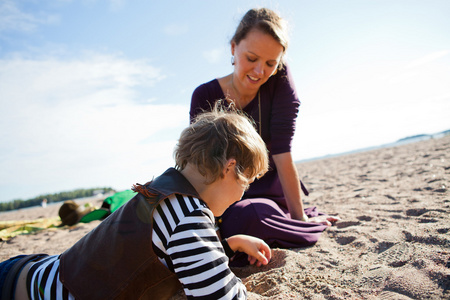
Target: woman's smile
pixel 256 59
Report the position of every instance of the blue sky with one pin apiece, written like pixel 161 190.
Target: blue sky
pixel 96 93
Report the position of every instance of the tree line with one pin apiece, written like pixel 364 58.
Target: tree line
pixel 51 198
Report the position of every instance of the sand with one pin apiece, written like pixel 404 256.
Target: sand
pixel 393 241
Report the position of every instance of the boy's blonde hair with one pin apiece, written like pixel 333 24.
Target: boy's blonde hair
pixel 217 136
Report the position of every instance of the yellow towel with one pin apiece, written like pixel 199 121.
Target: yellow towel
pixel 9 229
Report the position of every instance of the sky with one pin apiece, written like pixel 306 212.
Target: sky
pixel 95 93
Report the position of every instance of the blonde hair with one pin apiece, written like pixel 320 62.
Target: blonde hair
pixel 217 136
pixel 268 22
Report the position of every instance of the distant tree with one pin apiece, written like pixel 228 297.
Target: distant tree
pixel 51 198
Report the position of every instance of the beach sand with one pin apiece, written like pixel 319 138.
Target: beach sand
pixel 393 241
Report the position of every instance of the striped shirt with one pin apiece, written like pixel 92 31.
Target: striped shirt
pixel 43 280
pixel 185 241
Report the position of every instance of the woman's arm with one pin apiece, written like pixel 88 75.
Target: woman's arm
pixel 287 172
pixel 290 181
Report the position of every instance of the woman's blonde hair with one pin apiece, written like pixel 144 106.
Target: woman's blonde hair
pixel 268 22
pixel 217 136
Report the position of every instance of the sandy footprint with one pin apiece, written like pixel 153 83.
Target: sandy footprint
pixel 396 255
pixel 375 277
pixel 413 283
pixel 388 295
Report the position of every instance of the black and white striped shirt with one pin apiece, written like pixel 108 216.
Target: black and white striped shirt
pixel 185 241
pixel 43 280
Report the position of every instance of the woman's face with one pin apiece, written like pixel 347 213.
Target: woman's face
pixel 256 59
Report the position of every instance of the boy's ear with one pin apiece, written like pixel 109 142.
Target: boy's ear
pixel 231 164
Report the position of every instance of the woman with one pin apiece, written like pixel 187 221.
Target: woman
pixel 261 85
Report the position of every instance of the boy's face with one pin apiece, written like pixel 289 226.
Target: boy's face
pixel 233 188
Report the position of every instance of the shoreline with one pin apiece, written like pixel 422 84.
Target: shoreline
pixel 401 142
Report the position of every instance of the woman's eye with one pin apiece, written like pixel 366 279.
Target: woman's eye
pixel 251 59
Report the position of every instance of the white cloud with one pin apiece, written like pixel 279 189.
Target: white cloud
pixel 62 82
pixel 373 104
pixel 12 18
pixel 427 59
pixel 422 68
pixel 80 123
pixel 116 5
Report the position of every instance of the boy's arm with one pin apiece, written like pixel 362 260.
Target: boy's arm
pixel 226 247
pixel 257 250
pixel 199 260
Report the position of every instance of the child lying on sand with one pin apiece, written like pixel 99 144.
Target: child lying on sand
pixel 164 237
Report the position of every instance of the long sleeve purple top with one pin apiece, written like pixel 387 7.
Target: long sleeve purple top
pixel 278 108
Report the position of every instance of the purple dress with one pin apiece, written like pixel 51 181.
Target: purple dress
pixel 263 212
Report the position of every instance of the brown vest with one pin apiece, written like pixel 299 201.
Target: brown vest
pixel 116 260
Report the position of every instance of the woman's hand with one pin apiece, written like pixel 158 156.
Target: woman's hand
pixel 257 250
pixel 325 220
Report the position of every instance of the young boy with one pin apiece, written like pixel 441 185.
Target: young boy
pixel 164 238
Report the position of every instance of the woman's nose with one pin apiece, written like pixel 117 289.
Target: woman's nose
pixel 259 70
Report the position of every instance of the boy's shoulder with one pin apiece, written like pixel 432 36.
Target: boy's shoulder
pixel 184 208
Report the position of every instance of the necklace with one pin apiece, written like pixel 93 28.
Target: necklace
pixel 235 91
pixel 259 110
pixel 259 102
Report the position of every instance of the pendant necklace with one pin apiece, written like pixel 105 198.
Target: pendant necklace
pixel 259 101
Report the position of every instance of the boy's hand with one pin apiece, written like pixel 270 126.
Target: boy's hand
pixel 257 250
